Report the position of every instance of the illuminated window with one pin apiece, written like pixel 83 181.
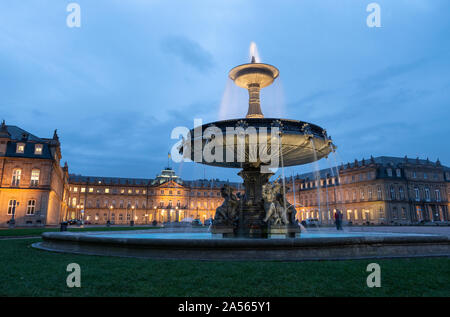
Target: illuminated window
pixel 75 189
pixel 83 189
pixel 38 149
pixel 12 206
pixel 91 190
pixel 20 148
pixel 31 206
pixel 35 177
pixel 74 202
pixel 106 190
pixel 16 177
pixel 130 191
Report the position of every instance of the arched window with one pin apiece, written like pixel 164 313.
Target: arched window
pixel 31 207
pixel 35 177
pixel 16 177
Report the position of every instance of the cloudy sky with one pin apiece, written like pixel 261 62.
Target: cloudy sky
pixel 117 86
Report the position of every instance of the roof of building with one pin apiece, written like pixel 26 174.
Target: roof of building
pixel 18 135
pixel 386 161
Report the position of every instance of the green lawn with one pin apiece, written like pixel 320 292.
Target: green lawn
pixel 25 271
pixel 38 231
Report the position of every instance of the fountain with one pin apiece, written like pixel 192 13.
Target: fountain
pixel 260 224
pixel 262 212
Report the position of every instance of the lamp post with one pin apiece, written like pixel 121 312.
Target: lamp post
pixel 12 221
pixel 108 222
pixel 132 216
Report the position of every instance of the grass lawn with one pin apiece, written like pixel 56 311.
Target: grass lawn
pixel 25 271
pixel 38 231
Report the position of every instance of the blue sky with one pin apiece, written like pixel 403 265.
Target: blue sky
pixel 116 87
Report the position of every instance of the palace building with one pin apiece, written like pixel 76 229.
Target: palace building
pixel 35 190
pixel 167 198
pixel 33 185
pixel 380 190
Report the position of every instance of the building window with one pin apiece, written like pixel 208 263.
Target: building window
pixel 389 172
pixel 403 212
pixel 31 207
pixel 392 189
pixel 121 204
pixel 12 206
pixel 20 148
pixel 370 193
pixel 16 177
pixel 35 177
pixel 354 195
pixel 74 202
pixel 398 172
pixel 83 189
pixel 381 213
pixel 38 149
pixel 425 176
pixel 402 194
pixel 362 194
pixel 414 174
pixel 427 194
pixel 438 195
pixel 91 190
pixel 130 191
pixel 97 203
pixel 106 190
pixel 379 195
pixel 161 204
pixel 162 192
pixel 417 193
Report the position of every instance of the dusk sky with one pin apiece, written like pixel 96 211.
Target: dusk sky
pixel 117 86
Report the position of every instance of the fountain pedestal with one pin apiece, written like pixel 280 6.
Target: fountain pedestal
pixel 250 212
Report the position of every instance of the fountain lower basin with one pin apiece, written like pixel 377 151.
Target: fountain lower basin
pixel 205 246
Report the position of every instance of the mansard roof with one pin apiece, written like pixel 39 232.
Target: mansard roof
pixel 18 135
pixel 384 161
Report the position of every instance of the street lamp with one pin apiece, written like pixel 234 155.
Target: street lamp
pixel 132 216
pixel 108 223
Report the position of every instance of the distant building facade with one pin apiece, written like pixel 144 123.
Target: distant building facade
pixel 167 198
pixel 381 190
pixel 33 185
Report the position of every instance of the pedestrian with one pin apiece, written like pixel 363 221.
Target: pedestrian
pixel 336 219
pixel 341 217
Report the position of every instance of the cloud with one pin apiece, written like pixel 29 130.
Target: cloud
pixel 188 51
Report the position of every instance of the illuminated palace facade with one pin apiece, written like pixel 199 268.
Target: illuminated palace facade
pixel 167 198
pixel 33 185
pixel 380 190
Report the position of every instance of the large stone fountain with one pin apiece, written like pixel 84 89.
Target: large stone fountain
pixel 258 146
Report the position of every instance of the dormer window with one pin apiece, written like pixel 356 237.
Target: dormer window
pixel 20 148
pixel 38 149
pixel 398 172
pixel 389 172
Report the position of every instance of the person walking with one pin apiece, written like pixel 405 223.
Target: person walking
pixel 341 217
pixel 336 219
